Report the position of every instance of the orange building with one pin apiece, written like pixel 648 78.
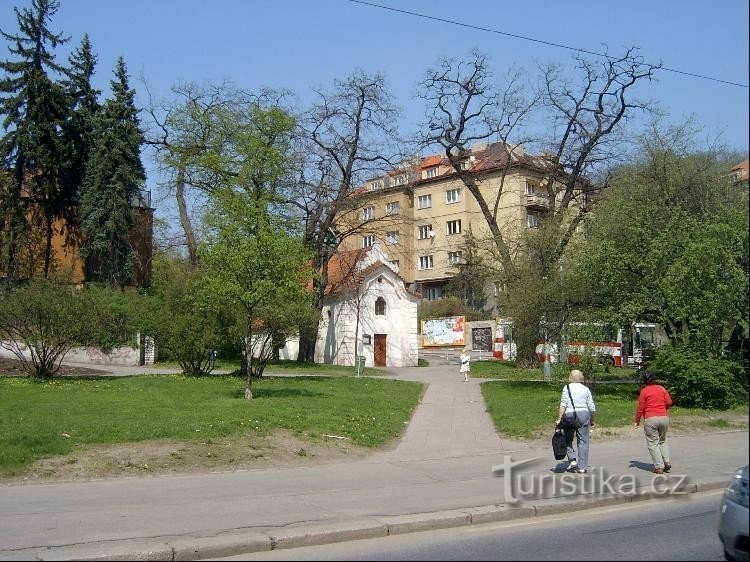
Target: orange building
pixel 66 244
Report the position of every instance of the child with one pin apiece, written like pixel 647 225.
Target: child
pixel 465 364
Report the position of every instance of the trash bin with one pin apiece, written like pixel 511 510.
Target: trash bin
pixel 360 365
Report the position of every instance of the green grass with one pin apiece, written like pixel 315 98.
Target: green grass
pixel 34 416
pixel 289 366
pixel 526 409
pixel 507 370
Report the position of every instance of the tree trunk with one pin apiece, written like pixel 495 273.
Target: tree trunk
pixel 249 358
pixel 48 243
pixel 309 337
pixel 14 224
pixel 526 335
pixel 187 227
pixel 306 353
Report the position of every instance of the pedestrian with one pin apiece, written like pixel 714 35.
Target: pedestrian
pixel 576 418
pixel 653 408
pixel 466 364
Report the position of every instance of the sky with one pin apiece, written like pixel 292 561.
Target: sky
pixel 303 44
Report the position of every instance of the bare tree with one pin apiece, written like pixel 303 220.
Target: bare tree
pixel 586 116
pixel 180 133
pixel 200 142
pixel 347 136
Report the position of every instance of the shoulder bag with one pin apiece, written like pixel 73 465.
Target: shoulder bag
pixel 568 423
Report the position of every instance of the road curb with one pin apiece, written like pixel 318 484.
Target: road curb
pixel 237 543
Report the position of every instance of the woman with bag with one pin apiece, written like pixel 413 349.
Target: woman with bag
pixel 653 407
pixel 576 418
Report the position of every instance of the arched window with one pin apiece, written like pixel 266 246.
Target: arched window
pixel 380 306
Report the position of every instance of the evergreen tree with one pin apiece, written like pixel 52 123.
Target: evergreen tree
pixel 83 100
pixel 114 176
pixel 34 110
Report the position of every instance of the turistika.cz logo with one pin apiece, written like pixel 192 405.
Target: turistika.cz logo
pixel 518 486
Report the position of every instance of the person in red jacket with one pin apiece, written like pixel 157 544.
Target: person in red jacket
pixel 653 408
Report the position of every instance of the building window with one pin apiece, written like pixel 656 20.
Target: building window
pixel 392 208
pixel 431 172
pixel 368 240
pixel 531 187
pixel 375 185
pixel 425 262
pixel 424 201
pixel 368 213
pixel 392 237
pixel 425 231
pixel 499 287
pixel 380 306
pixel 532 220
pixel 454 227
pixel 432 293
pixel 398 180
pixel 455 258
pixel 453 196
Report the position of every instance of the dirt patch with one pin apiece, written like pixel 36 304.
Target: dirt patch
pixel 238 452
pixel 14 368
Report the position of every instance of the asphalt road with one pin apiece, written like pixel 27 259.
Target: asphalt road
pixel 683 529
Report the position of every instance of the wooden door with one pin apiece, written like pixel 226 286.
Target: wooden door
pixel 379 350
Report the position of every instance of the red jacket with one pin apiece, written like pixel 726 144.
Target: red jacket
pixel 654 400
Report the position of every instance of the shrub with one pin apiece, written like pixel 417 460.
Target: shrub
pixel 40 322
pixel 696 381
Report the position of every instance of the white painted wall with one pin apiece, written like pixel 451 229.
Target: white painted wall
pixel 128 356
pixel 336 334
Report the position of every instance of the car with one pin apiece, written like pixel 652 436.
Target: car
pixel 733 517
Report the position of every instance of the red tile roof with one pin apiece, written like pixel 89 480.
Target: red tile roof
pixel 344 274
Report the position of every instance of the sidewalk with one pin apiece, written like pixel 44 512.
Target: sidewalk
pixel 440 475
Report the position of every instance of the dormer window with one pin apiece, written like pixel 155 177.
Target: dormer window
pixel 376 184
pixel 431 172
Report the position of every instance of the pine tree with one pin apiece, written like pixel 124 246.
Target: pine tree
pixel 114 177
pixel 83 100
pixel 34 110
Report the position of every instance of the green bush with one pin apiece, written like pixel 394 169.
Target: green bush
pixel 696 381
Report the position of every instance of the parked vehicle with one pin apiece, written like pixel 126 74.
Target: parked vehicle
pixel 733 517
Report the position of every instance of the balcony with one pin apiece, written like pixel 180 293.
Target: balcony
pixel 141 200
pixel 536 201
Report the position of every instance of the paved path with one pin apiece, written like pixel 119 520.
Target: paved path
pixel 451 419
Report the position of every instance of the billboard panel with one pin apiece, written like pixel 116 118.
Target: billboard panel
pixel 443 331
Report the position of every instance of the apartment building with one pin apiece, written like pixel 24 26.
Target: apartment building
pixel 421 214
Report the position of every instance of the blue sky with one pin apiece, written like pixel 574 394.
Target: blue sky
pixel 299 44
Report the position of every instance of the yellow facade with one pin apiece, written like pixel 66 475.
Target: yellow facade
pixel 436 211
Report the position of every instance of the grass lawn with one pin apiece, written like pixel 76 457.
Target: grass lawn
pixel 290 366
pixel 528 409
pixel 506 370
pixel 46 419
